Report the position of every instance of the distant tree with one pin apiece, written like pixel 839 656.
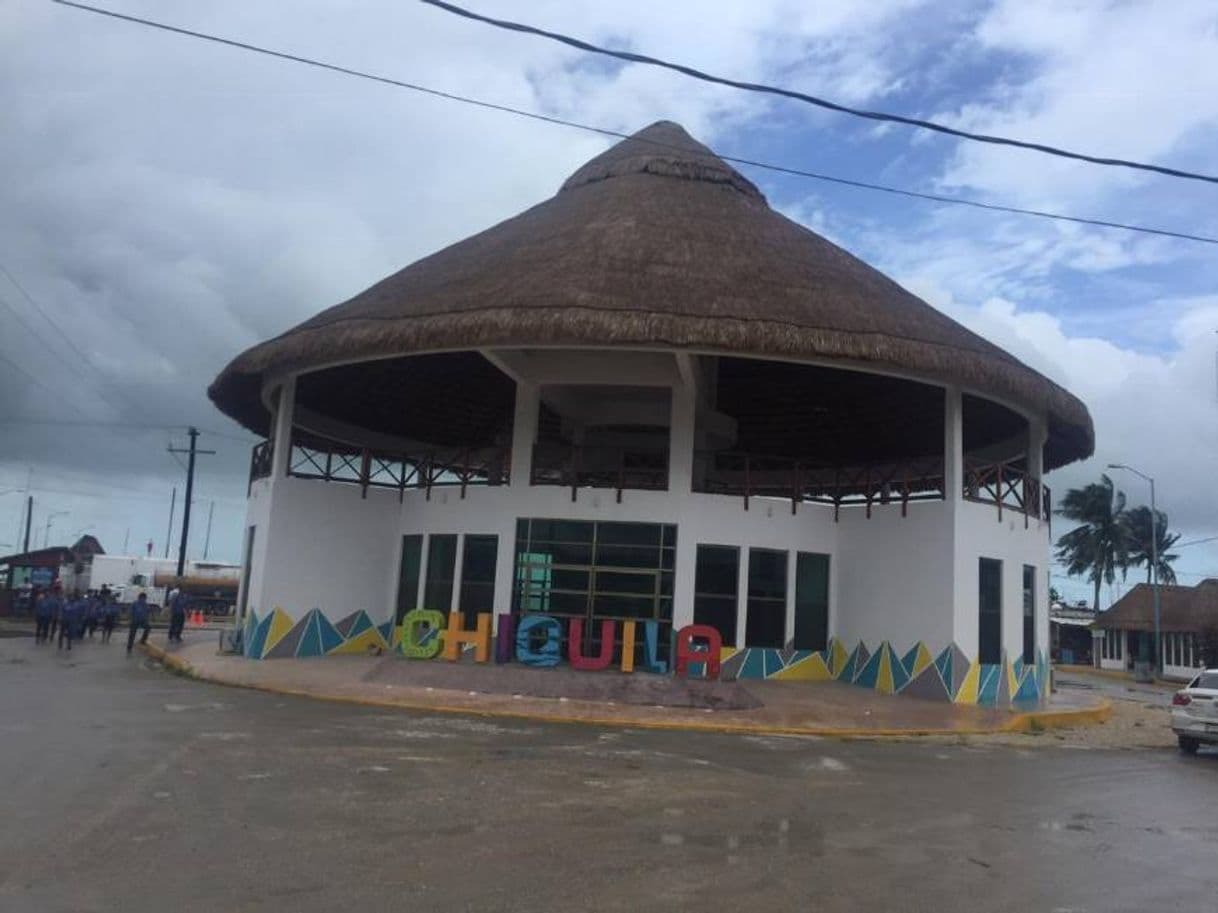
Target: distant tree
pixel 1098 547
pixel 1054 595
pixel 1139 533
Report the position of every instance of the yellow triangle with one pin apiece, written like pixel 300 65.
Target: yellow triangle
pixel 281 623
pixel 838 657
pixel 726 653
pixel 361 642
pixel 968 688
pixel 1012 681
pixel 809 669
pixel 883 680
pixel 921 660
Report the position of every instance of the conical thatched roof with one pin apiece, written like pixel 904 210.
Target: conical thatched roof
pixel 656 243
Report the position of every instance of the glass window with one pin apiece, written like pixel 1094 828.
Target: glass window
pixel 441 562
pixel 811 601
pixel 408 576
pixel 716 586
pixel 766 620
pixel 989 611
pixel 1029 614
pixel 478 556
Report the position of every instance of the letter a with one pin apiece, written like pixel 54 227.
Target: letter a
pixel 688 651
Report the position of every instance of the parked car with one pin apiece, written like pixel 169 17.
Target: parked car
pixel 1194 712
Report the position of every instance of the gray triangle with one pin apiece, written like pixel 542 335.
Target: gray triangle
pixel 928 685
pixel 286 648
pixel 960 667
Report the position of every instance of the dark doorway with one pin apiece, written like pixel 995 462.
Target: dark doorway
pixel 408 576
pixel 716 587
pixel 989 611
pixel 478 557
pixel 811 601
pixel 441 564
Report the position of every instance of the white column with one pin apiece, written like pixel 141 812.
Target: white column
pixel 681 438
pixel 458 564
pixel 953 444
pixel 285 409
pixel 524 433
pixel 1037 435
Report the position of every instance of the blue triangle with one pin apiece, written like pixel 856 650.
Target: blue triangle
pixel 754 664
pixel 386 629
pixel 900 677
pixel 361 624
pixel 944 664
pixel 330 638
pixel 907 662
pixel 310 644
pixel 987 691
pixel 871 670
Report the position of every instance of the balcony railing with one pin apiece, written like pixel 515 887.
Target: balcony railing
pixel 1008 486
pixel 369 469
pixel 617 468
pixel 751 475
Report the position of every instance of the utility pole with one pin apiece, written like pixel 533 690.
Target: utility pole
pixel 190 484
pixel 29 515
pixel 211 509
pixel 173 500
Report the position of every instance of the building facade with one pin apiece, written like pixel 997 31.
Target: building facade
pixel 648 403
pixel 1188 626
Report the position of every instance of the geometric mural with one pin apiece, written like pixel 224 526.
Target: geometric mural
pixel 947 676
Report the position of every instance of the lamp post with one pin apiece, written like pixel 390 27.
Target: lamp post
pixel 46 535
pixel 1154 560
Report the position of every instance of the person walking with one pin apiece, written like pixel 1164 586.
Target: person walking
pixel 92 613
pixel 139 619
pixel 109 616
pixel 71 621
pixel 177 615
pixel 58 604
pixel 45 609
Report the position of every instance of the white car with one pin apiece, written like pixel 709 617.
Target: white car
pixel 1194 712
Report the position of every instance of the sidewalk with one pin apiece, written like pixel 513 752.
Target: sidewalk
pixel 777 708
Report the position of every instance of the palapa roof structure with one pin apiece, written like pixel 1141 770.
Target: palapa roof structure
pixel 656 243
pixel 1181 608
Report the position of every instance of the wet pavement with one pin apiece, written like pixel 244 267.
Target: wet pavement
pixel 127 788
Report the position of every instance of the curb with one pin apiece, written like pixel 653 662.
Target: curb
pixel 1029 721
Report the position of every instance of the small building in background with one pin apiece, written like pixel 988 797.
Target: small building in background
pixel 1188 621
pixel 1070 633
pixel 25 572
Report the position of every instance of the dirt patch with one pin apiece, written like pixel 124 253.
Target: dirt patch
pixel 559 683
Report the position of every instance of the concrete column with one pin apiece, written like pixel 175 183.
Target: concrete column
pixel 524 433
pixel 683 579
pixel 953 444
pixel 458 563
pixel 1037 435
pixel 285 409
pixel 681 439
pixel 742 597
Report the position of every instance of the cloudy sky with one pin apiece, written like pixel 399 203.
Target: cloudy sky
pixel 167 202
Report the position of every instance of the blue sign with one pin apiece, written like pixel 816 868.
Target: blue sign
pixel 42 576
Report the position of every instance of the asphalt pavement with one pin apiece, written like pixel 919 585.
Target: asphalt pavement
pixel 127 788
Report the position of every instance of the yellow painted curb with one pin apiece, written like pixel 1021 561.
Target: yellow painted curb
pixel 1020 722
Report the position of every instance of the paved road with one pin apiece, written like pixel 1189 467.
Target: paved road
pixel 1158 695
pixel 130 789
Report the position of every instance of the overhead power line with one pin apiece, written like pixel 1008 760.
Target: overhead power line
pixel 812 99
pixel 36 382
pixel 603 131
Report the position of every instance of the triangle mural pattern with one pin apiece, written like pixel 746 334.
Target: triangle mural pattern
pixel 949 675
pixel 277 636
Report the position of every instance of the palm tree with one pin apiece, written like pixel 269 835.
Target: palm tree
pixel 1098 547
pixel 1138 531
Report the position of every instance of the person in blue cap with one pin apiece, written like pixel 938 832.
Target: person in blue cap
pixel 139 619
pixel 109 615
pixel 46 607
pixel 71 620
pixel 92 613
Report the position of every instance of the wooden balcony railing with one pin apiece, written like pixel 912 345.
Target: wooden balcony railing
pixel 618 468
pixel 1008 486
pixel 750 475
pixel 368 469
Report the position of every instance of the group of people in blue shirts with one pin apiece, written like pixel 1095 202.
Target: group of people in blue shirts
pixel 80 616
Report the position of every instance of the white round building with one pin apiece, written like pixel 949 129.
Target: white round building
pixel 650 403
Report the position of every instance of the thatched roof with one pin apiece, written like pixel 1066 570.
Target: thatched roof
pixel 1181 608
pixel 656 243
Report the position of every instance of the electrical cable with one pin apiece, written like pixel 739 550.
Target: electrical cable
pixel 811 99
pixel 603 131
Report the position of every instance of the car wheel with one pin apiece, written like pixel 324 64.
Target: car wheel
pixel 1188 745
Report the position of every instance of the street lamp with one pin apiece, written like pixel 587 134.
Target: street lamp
pixel 1154 560
pixel 46 535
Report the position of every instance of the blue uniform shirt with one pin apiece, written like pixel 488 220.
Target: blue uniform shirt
pixel 48 607
pixel 178 606
pixel 139 612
